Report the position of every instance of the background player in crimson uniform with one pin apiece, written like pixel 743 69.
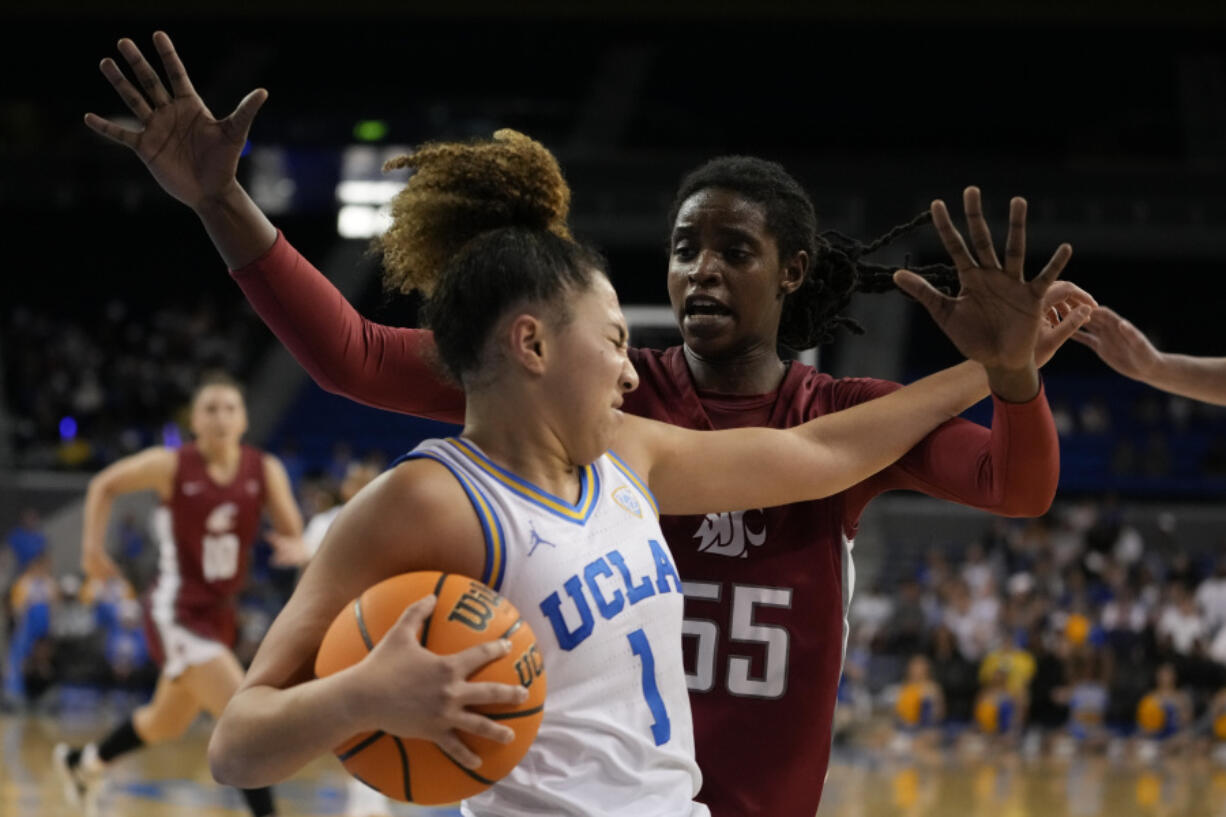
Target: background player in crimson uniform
pixel 213 492
pixel 768 628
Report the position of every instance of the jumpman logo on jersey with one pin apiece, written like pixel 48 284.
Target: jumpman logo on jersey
pixel 537 540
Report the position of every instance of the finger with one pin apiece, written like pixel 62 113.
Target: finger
pixel 238 123
pixel 1086 339
pixel 1015 243
pixel 474 658
pixel 1068 328
pixel 483 727
pixel 914 285
pixel 111 131
pixel 1067 292
pixel 1054 267
pixel 145 74
pixel 981 236
pixel 951 238
pixel 487 692
pixel 131 97
pixel 175 72
pixel 415 615
pixel 454 748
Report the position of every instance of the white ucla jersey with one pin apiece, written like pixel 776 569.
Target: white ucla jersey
pixel 596 582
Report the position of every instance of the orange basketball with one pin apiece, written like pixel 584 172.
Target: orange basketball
pixel 468 613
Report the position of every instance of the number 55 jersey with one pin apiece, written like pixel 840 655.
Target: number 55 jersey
pixel 204 534
pixel 596 582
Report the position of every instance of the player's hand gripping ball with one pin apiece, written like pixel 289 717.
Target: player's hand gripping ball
pixel 467 613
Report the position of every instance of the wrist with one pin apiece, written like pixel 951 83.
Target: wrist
pixel 224 200
pixel 358 700
pixel 1014 385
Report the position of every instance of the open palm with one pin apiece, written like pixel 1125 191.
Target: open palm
pixel 997 316
pixel 190 153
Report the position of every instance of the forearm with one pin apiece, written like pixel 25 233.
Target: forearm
pixel 267 734
pixel 1199 378
pixel 239 229
pixel 382 366
pixel 97 513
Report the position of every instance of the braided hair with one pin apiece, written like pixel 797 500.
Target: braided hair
pixel 481 227
pixel 812 313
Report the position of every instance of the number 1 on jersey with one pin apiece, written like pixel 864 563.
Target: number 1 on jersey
pixel 661 729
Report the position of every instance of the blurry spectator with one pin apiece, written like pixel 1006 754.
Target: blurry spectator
pixel 906 631
pixel 1011 661
pixel 32 601
pixel 106 597
pixel 977 571
pixel 1181 626
pixel 1217 725
pixel 966 622
pixel 1000 712
pixel 875 609
pixel 954 673
pixel 1086 697
pixel 127 650
pixel 920 707
pixel 136 559
pixel 1164 714
pixel 27 539
pixel 1211 596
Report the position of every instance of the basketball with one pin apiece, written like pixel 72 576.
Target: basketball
pixel 468 613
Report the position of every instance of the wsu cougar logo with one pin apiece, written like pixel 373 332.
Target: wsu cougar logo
pixel 727 534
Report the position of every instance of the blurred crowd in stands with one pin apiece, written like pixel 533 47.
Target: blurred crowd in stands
pixel 1071 626
pixel 82 393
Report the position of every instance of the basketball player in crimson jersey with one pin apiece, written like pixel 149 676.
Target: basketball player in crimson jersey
pixel 213 492
pixel 767 590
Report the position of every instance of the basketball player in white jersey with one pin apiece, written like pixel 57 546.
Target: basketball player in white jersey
pixel 532 499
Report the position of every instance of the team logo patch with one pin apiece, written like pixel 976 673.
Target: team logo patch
pixel 730 534
pixel 193 488
pixel 627 501
pixel 253 486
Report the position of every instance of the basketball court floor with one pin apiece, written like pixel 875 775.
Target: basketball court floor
pixel 173 781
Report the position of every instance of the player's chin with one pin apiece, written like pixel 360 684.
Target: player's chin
pixel 708 341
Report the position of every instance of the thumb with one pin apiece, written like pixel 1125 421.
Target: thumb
pixel 240 121
pixel 415 615
pixel 919 289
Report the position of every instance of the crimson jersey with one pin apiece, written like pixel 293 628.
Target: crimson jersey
pixel 766 590
pixel 205 534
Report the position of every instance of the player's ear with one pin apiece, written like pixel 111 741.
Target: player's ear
pixel 528 343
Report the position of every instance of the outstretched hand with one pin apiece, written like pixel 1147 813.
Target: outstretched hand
pixel 191 154
pixel 1120 344
pixel 997 316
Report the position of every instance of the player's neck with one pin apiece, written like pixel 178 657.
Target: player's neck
pixel 754 371
pixel 221 456
pixel 518 439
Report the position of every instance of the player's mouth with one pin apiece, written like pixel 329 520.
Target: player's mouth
pixel 704 313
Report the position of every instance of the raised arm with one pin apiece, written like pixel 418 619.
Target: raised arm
pixel 1125 348
pixel 415 517
pixel 382 366
pixel 194 157
pixel 151 470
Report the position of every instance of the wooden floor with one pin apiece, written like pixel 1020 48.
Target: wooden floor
pixel 173 780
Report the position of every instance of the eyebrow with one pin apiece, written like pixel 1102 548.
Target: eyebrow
pixel 735 233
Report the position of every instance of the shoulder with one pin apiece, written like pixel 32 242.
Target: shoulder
pixel 420 503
